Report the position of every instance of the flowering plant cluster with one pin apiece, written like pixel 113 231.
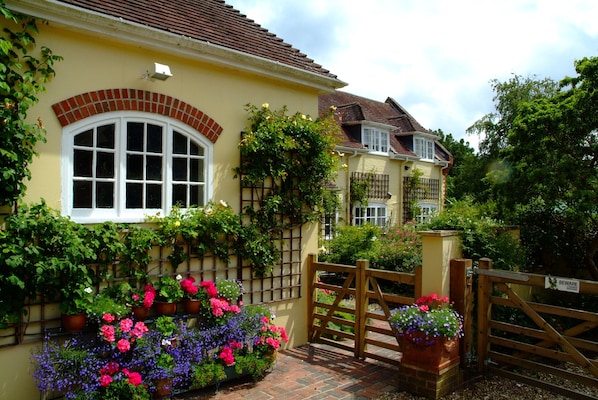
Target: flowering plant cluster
pixel 127 359
pixel 191 290
pixel 219 301
pixel 430 317
pixel 117 383
pixel 144 297
pixel 122 333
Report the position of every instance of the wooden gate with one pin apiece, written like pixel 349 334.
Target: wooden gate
pixel 524 339
pixel 352 314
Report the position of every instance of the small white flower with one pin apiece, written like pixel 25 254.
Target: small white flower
pixel 303 116
pixel 179 278
pixel 166 342
pixel 223 203
pixel 265 105
pixel 88 290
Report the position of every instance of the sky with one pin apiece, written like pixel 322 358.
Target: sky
pixel 436 58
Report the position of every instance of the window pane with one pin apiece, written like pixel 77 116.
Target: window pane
pixel 195 150
pixel 194 170
pixel 82 194
pixel 134 166
pixel 134 136
pixel 179 195
pixel 179 169
pixel 179 144
pixel 154 168
pixel 134 195
pixel 106 136
pixel 84 139
pixel 105 165
pixel 104 195
pixel 83 163
pixel 153 195
pixel 154 138
pixel 195 195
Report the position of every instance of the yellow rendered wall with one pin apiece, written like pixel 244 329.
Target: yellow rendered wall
pixel 93 64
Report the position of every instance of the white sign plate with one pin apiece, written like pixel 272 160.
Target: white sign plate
pixel 562 284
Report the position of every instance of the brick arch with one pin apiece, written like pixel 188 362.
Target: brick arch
pixel 88 104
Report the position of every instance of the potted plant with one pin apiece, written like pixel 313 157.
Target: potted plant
pixel 103 304
pixel 193 296
pixel 168 293
pixel 76 300
pixel 429 331
pixel 118 383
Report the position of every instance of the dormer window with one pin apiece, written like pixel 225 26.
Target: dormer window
pixel 424 148
pixel 375 140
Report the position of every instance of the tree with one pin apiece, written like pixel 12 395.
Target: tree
pixel 22 77
pixel 466 177
pixel 553 151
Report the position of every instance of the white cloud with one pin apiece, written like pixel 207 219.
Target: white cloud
pixel 435 57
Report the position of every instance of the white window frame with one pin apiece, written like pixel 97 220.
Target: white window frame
pixel 371 214
pixel 120 213
pixel 426 210
pixel 424 148
pixel 375 139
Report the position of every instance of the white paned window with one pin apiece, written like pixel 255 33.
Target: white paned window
pixel 375 140
pixel 126 166
pixel 424 148
pixel 373 214
pixel 426 210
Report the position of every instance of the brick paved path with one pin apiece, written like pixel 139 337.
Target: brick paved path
pixel 330 374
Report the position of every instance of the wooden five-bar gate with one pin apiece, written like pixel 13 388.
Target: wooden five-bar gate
pixel 526 330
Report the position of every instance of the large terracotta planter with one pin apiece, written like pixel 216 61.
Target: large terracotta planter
pixel 163 308
pixel 73 322
pixel 191 306
pixel 433 354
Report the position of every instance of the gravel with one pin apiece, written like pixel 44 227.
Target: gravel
pixel 494 387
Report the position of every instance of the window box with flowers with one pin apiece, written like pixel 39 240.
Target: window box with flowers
pixel 131 358
pixel 429 332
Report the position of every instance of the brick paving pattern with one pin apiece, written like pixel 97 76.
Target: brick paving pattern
pixel 328 374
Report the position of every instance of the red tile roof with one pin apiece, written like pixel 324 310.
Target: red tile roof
pixel 210 21
pixel 352 109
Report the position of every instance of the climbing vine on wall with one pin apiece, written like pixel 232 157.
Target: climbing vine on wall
pixel 22 78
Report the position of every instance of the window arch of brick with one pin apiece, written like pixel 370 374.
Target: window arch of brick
pixel 88 104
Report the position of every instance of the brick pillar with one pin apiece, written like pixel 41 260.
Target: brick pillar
pixel 426 383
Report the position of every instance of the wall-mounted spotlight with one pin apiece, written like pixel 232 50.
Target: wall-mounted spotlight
pixel 160 72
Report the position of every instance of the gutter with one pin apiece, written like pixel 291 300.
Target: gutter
pixel 76 19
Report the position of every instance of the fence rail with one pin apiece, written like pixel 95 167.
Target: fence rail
pixel 356 319
pixel 522 339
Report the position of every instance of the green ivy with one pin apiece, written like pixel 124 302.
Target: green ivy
pixel 22 78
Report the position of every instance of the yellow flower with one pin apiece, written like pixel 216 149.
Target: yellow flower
pixel 332 108
pixel 177 224
pixel 223 203
pixel 265 105
pixel 303 116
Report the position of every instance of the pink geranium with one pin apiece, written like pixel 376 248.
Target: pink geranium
pixel 105 380
pixel 123 345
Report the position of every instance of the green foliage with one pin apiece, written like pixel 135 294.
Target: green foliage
pixel 42 252
pixel 395 249
pixel 22 77
pixel 293 156
pixel 399 249
pixel 165 325
pixel 229 290
pixel 207 373
pixel 256 366
pixel 169 289
pixel 104 303
pixel 351 244
pixel 481 235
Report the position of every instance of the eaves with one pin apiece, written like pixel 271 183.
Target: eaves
pixel 84 21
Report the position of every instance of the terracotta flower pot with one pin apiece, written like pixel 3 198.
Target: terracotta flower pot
pixel 140 313
pixel 163 308
pixel 163 387
pixel 73 322
pixel 429 353
pixel 191 306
